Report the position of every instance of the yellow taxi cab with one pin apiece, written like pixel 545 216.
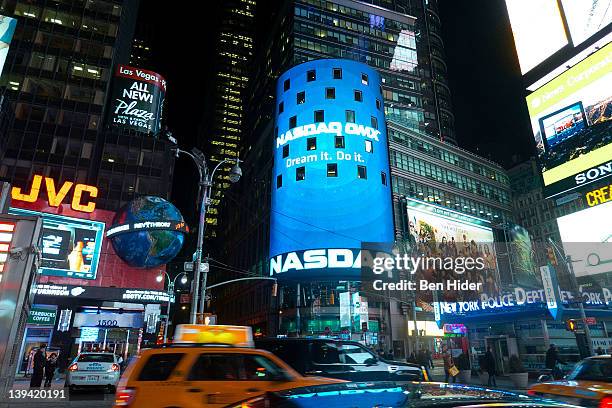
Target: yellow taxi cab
pixel 588 384
pixel 206 366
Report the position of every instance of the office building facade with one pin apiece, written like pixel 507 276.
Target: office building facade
pixel 222 125
pixel 58 77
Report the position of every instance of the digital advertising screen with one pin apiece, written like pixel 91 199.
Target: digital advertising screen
pixel 7 29
pixel 537 27
pixel 138 99
pixel 586 17
pixel 70 246
pixel 570 118
pixel 439 232
pixel 331 183
pixel 587 238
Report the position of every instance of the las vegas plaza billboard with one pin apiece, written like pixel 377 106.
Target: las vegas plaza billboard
pixel 570 117
pixel 138 99
pixel 331 182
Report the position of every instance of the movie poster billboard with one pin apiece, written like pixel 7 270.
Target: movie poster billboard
pixel 570 117
pixel 439 232
pixel 70 246
pixel 516 256
pixel 137 99
pixel 7 29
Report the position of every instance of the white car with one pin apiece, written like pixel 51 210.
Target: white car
pixel 94 370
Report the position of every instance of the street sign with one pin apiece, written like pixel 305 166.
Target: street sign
pixel 590 320
pixel 189 266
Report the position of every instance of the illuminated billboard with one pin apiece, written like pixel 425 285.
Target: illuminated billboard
pixel 586 17
pixel 439 232
pixel 570 118
pixel 138 98
pixel 537 27
pixel 7 29
pixel 70 246
pixel 587 238
pixel 331 181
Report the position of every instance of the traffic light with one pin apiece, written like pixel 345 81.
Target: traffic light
pixel 570 325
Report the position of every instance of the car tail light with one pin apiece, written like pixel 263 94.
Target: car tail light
pixel 73 367
pixel 606 402
pixel 124 397
pixel 257 402
pixel 114 367
pixel 532 393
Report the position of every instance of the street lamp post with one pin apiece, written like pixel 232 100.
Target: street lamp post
pixel 205 183
pixel 170 292
pixel 570 267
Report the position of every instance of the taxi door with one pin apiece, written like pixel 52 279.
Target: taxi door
pixel 217 379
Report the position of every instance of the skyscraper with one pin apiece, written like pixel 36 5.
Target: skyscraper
pixel 58 75
pixel 221 129
pixel 425 163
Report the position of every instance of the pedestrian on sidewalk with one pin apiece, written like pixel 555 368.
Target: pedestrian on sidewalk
pixel 40 359
pixel 552 362
pixel 50 367
pixel 447 358
pixel 489 366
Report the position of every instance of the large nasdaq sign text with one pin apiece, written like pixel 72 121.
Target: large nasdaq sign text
pixel 331 182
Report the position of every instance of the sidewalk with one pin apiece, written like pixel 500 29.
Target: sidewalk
pixel 503 382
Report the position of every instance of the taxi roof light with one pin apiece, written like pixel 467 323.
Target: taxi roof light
pixel 214 335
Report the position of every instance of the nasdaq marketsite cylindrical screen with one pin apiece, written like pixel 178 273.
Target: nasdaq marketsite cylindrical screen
pixel 331 181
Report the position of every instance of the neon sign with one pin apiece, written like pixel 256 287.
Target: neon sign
pixel 56 196
pixel 7 230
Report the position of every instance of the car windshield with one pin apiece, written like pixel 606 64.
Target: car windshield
pixel 96 358
pixel 354 354
pixel 595 369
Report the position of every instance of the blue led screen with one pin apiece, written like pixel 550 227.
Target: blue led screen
pixel 331 182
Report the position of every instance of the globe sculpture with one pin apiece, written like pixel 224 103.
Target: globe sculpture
pixel 151 235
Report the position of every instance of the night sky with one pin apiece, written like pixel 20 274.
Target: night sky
pixel 488 95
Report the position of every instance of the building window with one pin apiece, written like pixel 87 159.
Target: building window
pixel 380 89
pixel 364 79
pixel 301 97
pixel 319 116
pixel 337 73
pixel 287 84
pixel 378 104
pixel 311 143
pixel 285 151
pixel 292 122
pixel 330 93
pixel 300 173
pixel 383 178
pixel 281 107
pixel 369 147
pixel 332 170
pixel 358 96
pixel 339 142
pixel 311 75
pixel 374 122
pixel 279 181
pixel 350 116
pixel 362 172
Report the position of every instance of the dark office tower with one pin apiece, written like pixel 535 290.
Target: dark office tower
pixel 141 53
pixel 221 129
pixel 399 38
pixel 58 76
